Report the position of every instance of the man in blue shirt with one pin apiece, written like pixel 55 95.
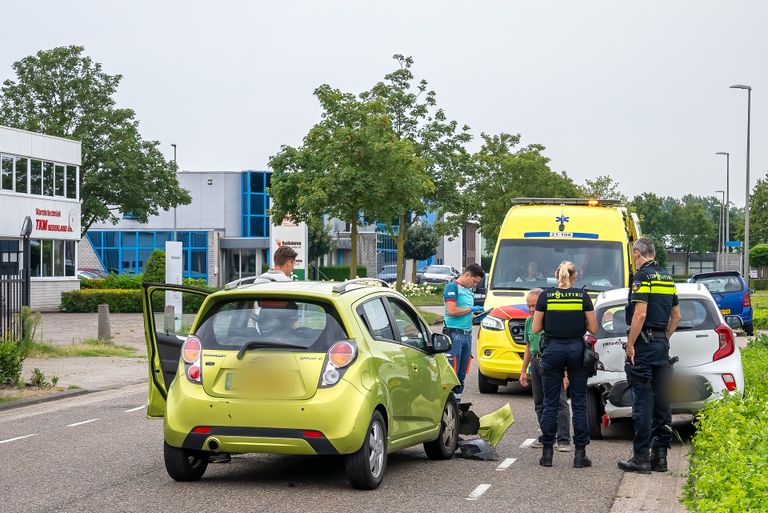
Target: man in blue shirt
pixel 459 301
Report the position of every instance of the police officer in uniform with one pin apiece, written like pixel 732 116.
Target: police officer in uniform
pixel 565 314
pixel 655 313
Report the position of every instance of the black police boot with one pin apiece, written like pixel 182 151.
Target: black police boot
pixel 659 459
pixel 546 456
pixel 639 464
pixel 580 459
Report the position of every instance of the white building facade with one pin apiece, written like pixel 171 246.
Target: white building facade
pixel 40 179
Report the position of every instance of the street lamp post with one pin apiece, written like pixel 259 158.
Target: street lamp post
pixel 746 200
pixel 720 232
pixel 174 208
pixel 727 199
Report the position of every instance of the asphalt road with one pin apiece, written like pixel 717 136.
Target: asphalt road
pixel 100 453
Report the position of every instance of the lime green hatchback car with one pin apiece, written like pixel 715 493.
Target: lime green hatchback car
pixel 305 368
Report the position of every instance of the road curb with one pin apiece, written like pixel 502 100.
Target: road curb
pixel 65 394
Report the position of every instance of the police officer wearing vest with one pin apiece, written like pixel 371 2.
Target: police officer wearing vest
pixel 655 313
pixel 565 314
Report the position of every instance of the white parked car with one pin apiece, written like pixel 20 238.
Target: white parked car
pixel 439 274
pixel 709 360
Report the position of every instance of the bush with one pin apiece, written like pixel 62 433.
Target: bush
pixel 119 301
pixel 729 458
pixel 114 281
pixel 758 284
pixel 154 271
pixel 340 272
pixel 13 352
pixel 760 319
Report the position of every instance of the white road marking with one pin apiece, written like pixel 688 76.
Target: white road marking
pixel 527 443
pixel 506 464
pixel 477 492
pixel 14 439
pixel 83 422
pixel 135 409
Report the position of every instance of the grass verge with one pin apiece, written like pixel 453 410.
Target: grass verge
pixel 431 318
pixel 430 300
pixel 88 347
pixel 729 455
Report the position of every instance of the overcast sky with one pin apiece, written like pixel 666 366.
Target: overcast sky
pixel 637 90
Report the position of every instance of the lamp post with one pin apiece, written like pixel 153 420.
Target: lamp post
pixel 174 208
pixel 746 199
pixel 720 232
pixel 727 198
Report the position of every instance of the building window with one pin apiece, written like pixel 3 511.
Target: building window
pixel 255 203
pixel 50 258
pixel 58 180
pixel 21 175
pixel 47 178
pixel 72 182
pixel 6 173
pixel 36 176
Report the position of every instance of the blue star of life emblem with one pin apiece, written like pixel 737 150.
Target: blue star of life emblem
pixel 562 219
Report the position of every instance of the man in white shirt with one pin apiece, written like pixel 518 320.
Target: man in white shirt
pixel 283 260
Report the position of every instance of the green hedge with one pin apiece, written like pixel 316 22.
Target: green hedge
pixel 119 301
pixel 729 457
pixel 114 281
pixel 340 272
pixel 758 284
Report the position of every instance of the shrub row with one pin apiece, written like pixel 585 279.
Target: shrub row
pixel 729 457
pixel 758 284
pixel 132 281
pixel 119 301
pixel 340 272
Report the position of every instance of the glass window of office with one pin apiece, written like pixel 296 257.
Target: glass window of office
pixel 21 174
pixel 58 180
pixel 50 258
pixel 47 178
pixel 36 177
pixel 72 182
pixel 6 173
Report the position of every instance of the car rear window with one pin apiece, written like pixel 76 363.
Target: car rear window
pixel 721 283
pixel 696 314
pixel 314 326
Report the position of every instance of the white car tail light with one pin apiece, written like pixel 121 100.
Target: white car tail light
pixel 192 356
pixel 726 340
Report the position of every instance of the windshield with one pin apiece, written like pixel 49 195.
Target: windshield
pixel 531 263
pixel 721 283
pixel 434 269
pixel 314 326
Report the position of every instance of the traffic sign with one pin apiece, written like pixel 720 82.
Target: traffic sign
pixel 733 243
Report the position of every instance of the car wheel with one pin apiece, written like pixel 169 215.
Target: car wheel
pixel 183 464
pixel 444 446
pixel 365 468
pixel 595 411
pixel 485 386
pixel 749 329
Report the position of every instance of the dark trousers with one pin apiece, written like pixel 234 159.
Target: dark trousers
pixel 559 356
pixel 648 379
pixel 563 411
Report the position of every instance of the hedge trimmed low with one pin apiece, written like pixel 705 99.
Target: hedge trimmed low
pixel 119 301
pixel 340 272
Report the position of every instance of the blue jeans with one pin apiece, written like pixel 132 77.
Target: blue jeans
pixel 564 410
pixel 559 356
pixel 458 356
pixel 650 408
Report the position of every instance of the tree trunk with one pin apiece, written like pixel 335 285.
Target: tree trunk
pixel 687 260
pixel 353 250
pixel 414 278
pixel 401 252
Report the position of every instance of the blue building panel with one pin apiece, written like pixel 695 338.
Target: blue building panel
pixel 255 203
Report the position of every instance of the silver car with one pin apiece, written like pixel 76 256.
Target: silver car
pixel 439 274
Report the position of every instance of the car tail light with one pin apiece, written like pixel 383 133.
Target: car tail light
pixel 730 382
pixel 190 351
pixel 747 300
pixel 192 356
pixel 313 434
pixel 727 346
pixel 202 430
pixel 341 354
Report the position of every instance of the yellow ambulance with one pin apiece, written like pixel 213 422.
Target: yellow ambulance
pixel 536 235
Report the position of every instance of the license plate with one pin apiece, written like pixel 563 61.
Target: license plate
pixel 725 311
pixel 269 383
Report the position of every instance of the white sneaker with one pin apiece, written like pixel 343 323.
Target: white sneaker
pixel 537 444
pixel 564 448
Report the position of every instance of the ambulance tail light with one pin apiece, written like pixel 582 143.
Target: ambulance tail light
pixel 726 341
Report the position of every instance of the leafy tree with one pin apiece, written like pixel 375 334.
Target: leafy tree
pixel 320 238
pixel 657 220
pixel 351 165
pixel 502 174
pixel 758 212
pixel 603 187
pixel 420 243
pixel 437 141
pixel 62 92
pixel 758 255
pixel 695 228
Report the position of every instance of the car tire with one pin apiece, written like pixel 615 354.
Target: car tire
pixel 749 329
pixel 365 468
pixel 444 446
pixel 595 409
pixel 184 464
pixel 484 385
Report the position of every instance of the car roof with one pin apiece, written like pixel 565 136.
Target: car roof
pixel 683 289
pixel 715 274
pixel 330 289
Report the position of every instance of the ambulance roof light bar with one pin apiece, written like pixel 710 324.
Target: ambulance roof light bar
pixel 590 202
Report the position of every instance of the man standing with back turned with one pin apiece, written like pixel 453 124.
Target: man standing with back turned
pixel 459 300
pixel 655 313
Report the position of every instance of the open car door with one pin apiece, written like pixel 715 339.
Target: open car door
pixel 169 314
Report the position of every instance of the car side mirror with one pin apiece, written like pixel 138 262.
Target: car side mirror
pixel 734 321
pixel 751 291
pixel 440 343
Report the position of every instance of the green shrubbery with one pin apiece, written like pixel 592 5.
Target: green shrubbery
pixel 13 352
pixel 114 281
pixel 729 457
pixel 340 272
pixel 121 300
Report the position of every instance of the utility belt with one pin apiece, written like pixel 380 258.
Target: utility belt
pixel 448 331
pixel 647 335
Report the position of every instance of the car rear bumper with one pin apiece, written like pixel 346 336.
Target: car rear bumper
pixel 505 359
pixel 334 421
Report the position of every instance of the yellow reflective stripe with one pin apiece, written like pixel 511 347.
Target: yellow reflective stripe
pixel 565 306
pixel 662 283
pixel 645 289
pixel 664 291
pixel 577 300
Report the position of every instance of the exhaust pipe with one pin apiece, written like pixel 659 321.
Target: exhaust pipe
pixel 213 444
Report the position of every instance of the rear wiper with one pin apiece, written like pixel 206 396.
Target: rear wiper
pixel 262 344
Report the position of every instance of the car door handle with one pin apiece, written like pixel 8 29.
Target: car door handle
pixel 415 367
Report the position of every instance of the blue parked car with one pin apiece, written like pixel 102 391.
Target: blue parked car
pixel 729 289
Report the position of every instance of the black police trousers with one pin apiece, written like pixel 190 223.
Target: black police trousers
pixel 648 379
